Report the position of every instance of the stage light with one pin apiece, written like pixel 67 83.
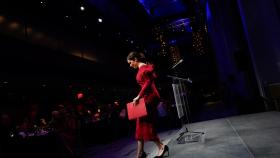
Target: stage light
pixel 82 8
pixel 43 4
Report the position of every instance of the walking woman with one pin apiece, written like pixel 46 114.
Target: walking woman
pixel 145 130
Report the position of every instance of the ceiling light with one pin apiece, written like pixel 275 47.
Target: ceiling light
pixel 43 3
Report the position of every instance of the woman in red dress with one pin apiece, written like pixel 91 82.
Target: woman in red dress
pixel 145 130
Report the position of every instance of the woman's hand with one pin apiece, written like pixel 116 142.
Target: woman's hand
pixel 136 100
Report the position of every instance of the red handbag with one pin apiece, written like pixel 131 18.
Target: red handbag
pixel 136 111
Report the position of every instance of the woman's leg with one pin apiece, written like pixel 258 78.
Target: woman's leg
pixel 160 146
pixel 140 148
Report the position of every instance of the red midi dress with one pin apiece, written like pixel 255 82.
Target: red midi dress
pixel 145 129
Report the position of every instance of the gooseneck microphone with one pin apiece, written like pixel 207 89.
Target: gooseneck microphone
pixel 179 62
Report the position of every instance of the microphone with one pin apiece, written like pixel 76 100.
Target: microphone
pixel 179 62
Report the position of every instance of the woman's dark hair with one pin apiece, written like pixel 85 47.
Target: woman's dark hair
pixel 136 55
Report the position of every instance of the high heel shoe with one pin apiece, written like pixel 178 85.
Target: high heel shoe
pixel 143 155
pixel 165 150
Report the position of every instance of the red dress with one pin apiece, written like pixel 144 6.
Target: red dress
pixel 145 129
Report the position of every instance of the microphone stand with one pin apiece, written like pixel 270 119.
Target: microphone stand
pixel 183 109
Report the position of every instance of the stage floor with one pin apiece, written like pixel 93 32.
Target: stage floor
pixel 244 136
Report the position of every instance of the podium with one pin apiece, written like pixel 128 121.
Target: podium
pixel 183 110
